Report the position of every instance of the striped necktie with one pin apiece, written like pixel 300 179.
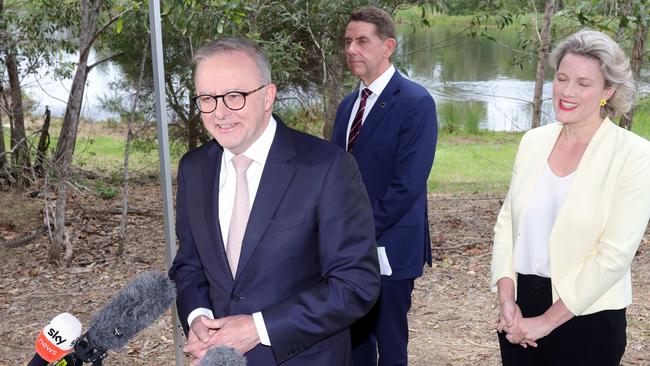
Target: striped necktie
pixel 355 129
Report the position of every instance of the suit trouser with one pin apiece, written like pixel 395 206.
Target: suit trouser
pixel 595 339
pixel 385 328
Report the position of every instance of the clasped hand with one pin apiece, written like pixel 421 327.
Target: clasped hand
pixel 236 331
pixel 520 330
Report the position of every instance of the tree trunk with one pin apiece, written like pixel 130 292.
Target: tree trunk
pixel 20 156
pixel 127 148
pixel 625 11
pixel 3 159
pixel 43 143
pixel 636 62
pixel 541 63
pixel 3 152
pixel 193 130
pixel 65 146
pixel 332 92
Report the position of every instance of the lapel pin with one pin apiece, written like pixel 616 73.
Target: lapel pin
pixel 383 104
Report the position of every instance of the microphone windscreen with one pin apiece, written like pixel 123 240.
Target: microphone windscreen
pixel 223 356
pixel 134 308
pixel 58 337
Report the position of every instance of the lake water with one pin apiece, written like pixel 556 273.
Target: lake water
pixel 472 80
pixel 45 89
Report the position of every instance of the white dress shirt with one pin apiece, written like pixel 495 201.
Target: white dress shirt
pixel 376 87
pixel 532 248
pixel 258 152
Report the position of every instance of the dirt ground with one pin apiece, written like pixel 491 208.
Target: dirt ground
pixel 452 316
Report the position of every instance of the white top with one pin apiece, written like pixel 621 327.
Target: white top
pixel 258 152
pixel 376 87
pixel 532 245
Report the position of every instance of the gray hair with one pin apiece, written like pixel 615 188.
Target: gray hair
pixel 614 65
pixel 225 45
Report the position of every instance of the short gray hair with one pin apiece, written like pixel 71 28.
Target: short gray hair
pixel 614 65
pixel 225 45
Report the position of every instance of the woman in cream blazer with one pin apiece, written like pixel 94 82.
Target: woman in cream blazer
pixel 575 213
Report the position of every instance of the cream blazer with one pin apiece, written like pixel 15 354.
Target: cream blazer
pixel 598 228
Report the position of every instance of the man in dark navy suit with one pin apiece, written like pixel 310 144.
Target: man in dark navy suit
pixel 389 125
pixel 277 255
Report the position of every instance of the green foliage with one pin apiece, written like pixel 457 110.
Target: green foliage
pixel 308 119
pixel 303 40
pixel 105 191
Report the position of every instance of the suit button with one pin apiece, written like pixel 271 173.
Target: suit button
pixel 235 298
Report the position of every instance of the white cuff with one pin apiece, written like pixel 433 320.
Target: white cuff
pixel 384 265
pixel 261 328
pixel 198 312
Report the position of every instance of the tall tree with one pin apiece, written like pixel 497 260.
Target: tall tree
pixel 3 159
pixel 19 146
pixel 3 28
pixel 18 138
pixel 27 41
pixel 130 127
pixel 544 44
pixel 89 31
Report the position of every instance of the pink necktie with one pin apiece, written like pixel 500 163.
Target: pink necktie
pixel 240 212
pixel 355 129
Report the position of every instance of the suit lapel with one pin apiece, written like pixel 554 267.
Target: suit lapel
pixel 379 110
pixel 275 179
pixel 210 172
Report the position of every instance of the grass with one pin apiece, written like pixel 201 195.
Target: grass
pixel 473 163
pixel 641 123
pixel 105 155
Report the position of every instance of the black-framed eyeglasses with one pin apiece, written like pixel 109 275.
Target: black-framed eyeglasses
pixel 234 100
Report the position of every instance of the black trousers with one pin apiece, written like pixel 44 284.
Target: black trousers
pixel 596 339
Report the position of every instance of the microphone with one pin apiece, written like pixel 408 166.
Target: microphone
pixel 56 339
pixel 134 308
pixel 223 356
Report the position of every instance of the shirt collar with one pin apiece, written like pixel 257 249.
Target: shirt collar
pixel 259 150
pixel 380 83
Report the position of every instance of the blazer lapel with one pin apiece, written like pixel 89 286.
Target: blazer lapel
pixel 379 110
pixel 275 179
pixel 531 167
pixel 210 172
pixel 591 179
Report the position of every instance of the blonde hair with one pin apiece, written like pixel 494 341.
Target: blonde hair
pixel 614 65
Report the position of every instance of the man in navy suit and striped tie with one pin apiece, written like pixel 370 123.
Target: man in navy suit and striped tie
pixel 389 125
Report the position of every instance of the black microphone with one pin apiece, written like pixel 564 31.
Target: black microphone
pixel 134 308
pixel 223 356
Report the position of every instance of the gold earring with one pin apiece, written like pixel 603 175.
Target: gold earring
pixel 603 102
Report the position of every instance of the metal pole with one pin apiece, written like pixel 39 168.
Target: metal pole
pixel 163 150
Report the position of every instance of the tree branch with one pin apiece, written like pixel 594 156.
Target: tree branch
pixel 102 29
pixel 90 67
